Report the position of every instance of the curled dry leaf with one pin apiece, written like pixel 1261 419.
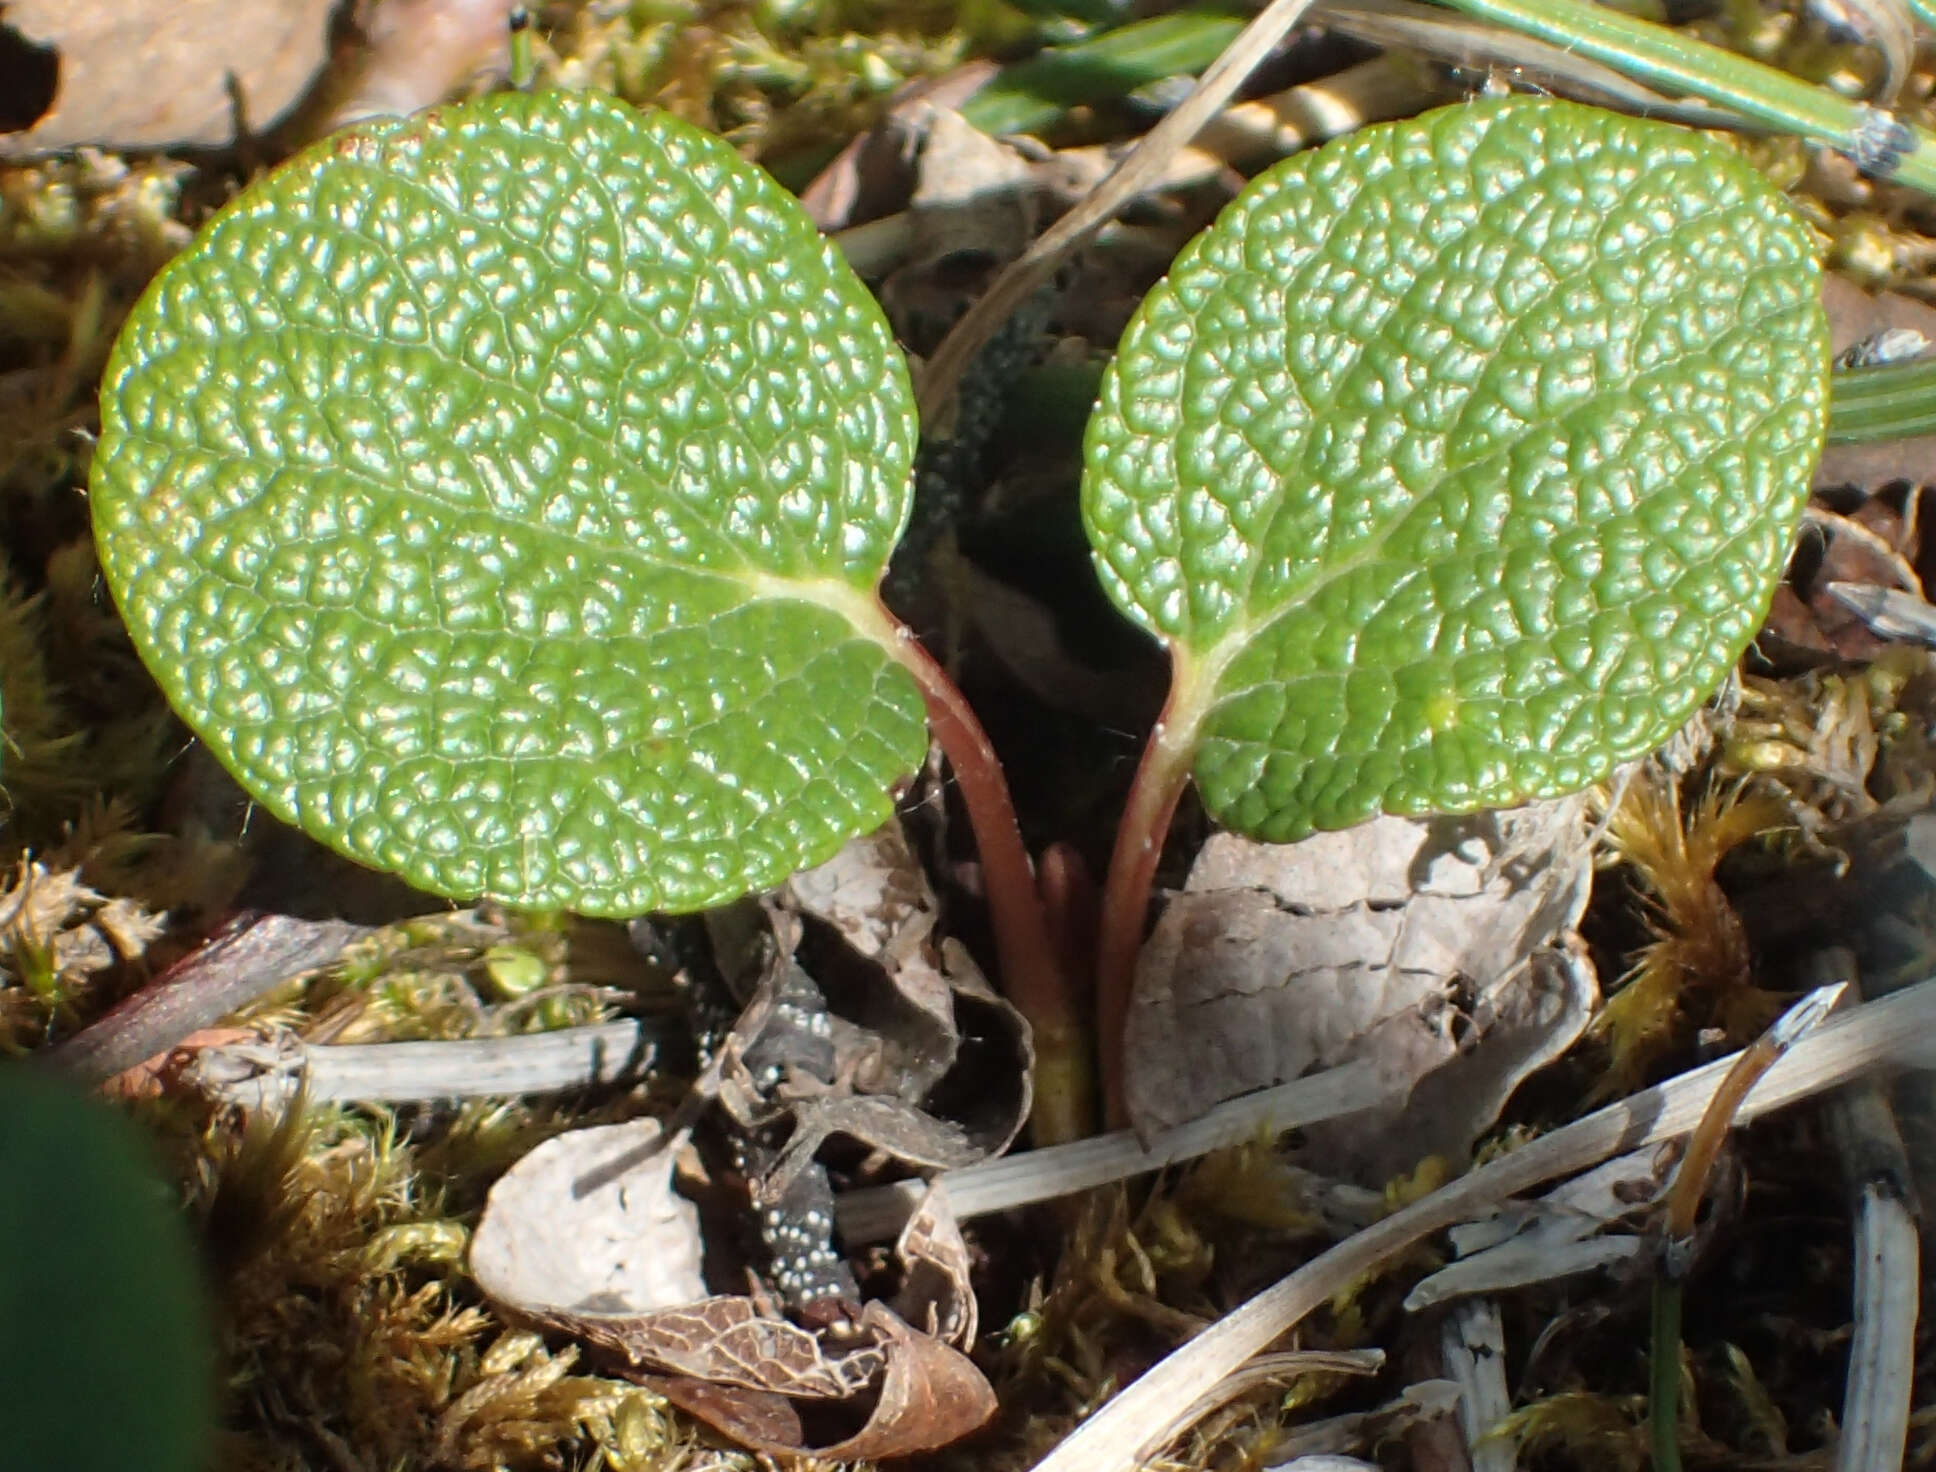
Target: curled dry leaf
pixel 156 73
pixel 1362 944
pixel 876 898
pixel 930 1395
pixel 587 1236
pixel 935 1291
pixel 1868 545
pixel 875 172
pixel 921 1011
pixel 972 194
pixel 417 52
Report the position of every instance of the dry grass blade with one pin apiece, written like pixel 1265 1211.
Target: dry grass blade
pixel 1882 1354
pixel 1888 1267
pixel 1143 164
pixel 1061 1170
pixel 1888 613
pixel 1473 1343
pixel 256 1073
pixel 1898 1031
pixel 1268 1369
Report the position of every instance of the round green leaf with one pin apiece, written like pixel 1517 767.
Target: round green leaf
pixel 1458 460
pixel 501 492
pixel 106 1355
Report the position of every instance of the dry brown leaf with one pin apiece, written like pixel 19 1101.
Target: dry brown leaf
pixel 1868 545
pixel 931 1395
pixel 908 1033
pixel 973 193
pixel 1278 959
pixel 589 1220
pixel 874 173
pixel 586 1236
pixel 935 1292
pixel 417 52
pixel 167 73
pixel 727 1340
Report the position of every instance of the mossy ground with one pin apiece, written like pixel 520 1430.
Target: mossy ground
pixel 351 1336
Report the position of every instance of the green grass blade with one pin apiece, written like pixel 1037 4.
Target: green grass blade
pixel 1879 142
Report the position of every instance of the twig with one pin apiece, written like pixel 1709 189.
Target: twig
pixel 1139 168
pixel 1899 1030
pixel 250 955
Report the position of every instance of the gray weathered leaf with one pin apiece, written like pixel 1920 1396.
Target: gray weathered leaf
pixel 1279 959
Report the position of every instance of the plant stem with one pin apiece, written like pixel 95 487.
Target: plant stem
pixel 1132 871
pixel 1664 1379
pixel 1031 977
pixel 1881 144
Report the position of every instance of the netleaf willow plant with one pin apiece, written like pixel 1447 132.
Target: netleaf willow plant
pixel 502 495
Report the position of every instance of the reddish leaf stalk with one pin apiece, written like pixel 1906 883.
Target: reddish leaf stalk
pixel 1145 823
pixel 1031 977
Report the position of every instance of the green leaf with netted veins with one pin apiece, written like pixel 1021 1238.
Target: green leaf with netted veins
pixel 1458 460
pixel 501 494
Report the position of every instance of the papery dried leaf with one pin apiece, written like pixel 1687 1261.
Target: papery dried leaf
pixel 879 1122
pixel 1868 545
pixel 1282 958
pixel 728 1340
pixel 936 1296
pixel 1525 1020
pixel 930 1396
pixel 166 73
pixel 875 893
pixel 416 52
pixel 974 194
pixel 907 1033
pixel 758 1419
pixel 874 174
pixel 589 1222
pixel 586 1235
